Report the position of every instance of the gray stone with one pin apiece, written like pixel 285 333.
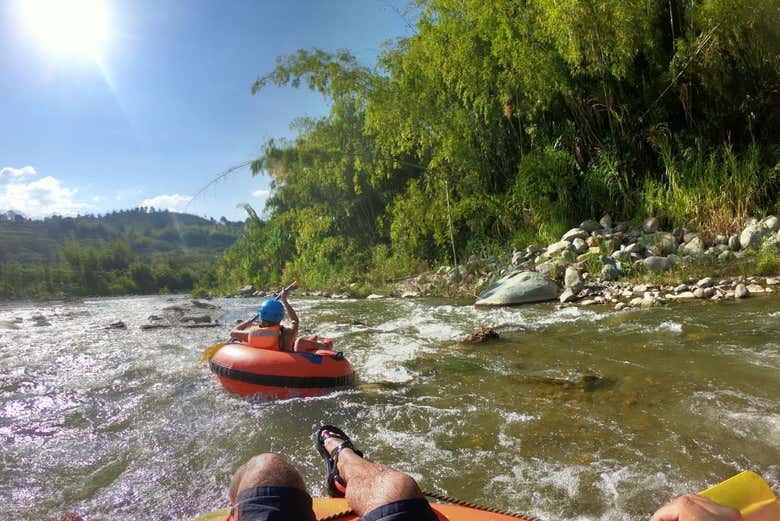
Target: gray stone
pixel 572 280
pixel 678 234
pixel 610 272
pixel 650 225
pixel 590 225
pixel 246 290
pixel 623 226
pixel 196 319
pixel 725 256
pixel 579 245
pixel 771 222
pixel 734 244
pixel 689 235
pixel 721 240
pixel 751 236
pixel 518 256
pixel 755 289
pixel 741 291
pixel 656 264
pixel 706 282
pixel 659 243
pixel 693 247
pixel 567 296
pixel 682 288
pixel 519 287
pixel 575 233
pixel 619 306
pixel 606 221
pixel 772 281
pixel 558 247
pixel 685 295
pixel 635 247
pixel 374 296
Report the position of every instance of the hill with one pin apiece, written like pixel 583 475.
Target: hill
pixel 128 251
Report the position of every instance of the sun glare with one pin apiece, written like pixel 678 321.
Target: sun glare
pixel 67 27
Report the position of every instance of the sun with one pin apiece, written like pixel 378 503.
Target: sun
pixel 78 28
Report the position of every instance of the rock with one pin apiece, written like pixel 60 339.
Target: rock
pixel 634 247
pixel 483 334
pixel 8 324
pixel 558 248
pixel 575 233
pixel 734 244
pixel 610 272
pixel 755 289
pixel 682 288
pixel 725 256
pixel 751 236
pixel 685 295
pixel 694 247
pixel 374 296
pixel 590 225
pixel 741 291
pixel 650 225
pixel 196 319
pixel 678 234
pixel 116 325
pixel 656 264
pixel 619 306
pixel 567 296
pixel 203 305
pixel 771 222
pixel 246 291
pixel 410 294
pixel 706 282
pixel 455 276
pixel 518 257
pixel 772 281
pixel 623 226
pixel 572 280
pixel 708 292
pixel 660 243
pixel 721 240
pixel 606 221
pixel 579 245
pixel 519 287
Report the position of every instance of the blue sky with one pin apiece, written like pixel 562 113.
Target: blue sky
pixel 161 105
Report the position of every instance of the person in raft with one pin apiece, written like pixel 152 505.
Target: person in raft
pixel 271 334
pixel 269 488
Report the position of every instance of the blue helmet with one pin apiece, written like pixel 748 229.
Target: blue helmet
pixel 271 311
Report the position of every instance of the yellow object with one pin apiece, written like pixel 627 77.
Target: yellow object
pixel 748 493
pixel 209 353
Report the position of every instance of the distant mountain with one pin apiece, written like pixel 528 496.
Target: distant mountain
pixel 148 233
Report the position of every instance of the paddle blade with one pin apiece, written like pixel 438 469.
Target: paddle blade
pixel 748 493
pixel 209 353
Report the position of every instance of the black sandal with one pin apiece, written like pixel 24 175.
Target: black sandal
pixel 336 485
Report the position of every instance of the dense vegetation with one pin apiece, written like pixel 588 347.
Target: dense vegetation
pixel 506 121
pixel 130 251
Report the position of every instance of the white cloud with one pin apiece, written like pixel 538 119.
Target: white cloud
pixel 39 198
pixel 11 172
pixel 174 202
pixel 261 193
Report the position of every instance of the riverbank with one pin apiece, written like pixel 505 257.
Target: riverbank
pixel 620 264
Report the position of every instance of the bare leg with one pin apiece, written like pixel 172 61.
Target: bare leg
pixel 370 485
pixel 265 470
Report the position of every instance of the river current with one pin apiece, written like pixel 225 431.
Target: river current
pixel 571 414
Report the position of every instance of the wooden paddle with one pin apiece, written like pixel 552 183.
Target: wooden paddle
pixel 210 351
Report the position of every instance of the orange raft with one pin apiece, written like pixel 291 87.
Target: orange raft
pixel 273 374
pixel 336 509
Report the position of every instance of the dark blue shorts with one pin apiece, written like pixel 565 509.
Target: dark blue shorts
pixel 291 504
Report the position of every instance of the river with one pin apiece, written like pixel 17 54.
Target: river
pixel 572 414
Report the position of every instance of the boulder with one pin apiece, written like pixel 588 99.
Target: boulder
pixel 656 264
pixel 694 247
pixel 706 282
pixel 557 248
pixel 606 221
pixel 572 280
pixel 733 243
pixel 567 296
pixel 771 222
pixel 590 225
pixel 610 272
pixel 659 243
pixel 579 245
pixel 246 291
pixel 575 233
pixel 519 287
pixel 751 236
pixel 374 296
pixel 741 291
pixel 650 225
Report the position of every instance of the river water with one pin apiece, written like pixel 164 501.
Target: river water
pixel 572 414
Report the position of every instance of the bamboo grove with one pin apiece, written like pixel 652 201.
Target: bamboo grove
pixel 503 122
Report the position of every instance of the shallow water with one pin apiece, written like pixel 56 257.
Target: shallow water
pixel 572 414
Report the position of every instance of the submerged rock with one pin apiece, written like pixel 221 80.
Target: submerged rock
pixel 520 287
pixel 483 334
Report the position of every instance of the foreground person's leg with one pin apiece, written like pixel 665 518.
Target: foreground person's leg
pixel 375 492
pixel 268 488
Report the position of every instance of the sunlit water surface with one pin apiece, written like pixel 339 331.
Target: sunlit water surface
pixel 572 414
